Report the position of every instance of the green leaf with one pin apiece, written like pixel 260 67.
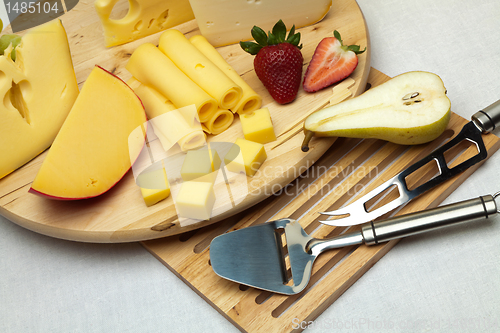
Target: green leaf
pixel 259 35
pixel 355 49
pixel 279 31
pixel 272 40
pixel 336 34
pixel 295 39
pixel 291 33
pixel 250 47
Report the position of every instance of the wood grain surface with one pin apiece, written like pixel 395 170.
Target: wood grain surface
pixel 350 168
pixel 120 214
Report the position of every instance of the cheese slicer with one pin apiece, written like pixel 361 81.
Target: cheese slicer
pixel 258 256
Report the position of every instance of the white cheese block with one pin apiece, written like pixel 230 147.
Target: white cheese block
pixel 225 22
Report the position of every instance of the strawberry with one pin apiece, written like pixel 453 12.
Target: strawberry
pixel 332 62
pixel 278 61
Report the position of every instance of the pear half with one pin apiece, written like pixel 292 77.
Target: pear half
pixel 409 109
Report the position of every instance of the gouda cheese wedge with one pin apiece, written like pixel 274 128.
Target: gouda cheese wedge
pixel 200 69
pixel 250 100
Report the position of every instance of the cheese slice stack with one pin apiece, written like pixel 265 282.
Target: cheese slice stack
pixel 37 90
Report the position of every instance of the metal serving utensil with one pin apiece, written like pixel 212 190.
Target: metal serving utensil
pixel 255 256
pixel 483 121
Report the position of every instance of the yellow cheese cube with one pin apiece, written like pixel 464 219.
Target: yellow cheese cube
pixel 154 186
pixel 257 126
pixel 245 156
pixel 195 200
pixel 201 165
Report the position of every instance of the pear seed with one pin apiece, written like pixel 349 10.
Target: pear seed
pixel 410 96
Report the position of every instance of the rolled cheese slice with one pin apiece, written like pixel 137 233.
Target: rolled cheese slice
pixel 219 122
pixel 151 67
pixel 250 100
pixel 170 124
pixel 155 103
pixel 200 69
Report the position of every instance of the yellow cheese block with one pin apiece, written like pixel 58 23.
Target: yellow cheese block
pixel 154 186
pixel 195 200
pixel 245 157
pixel 219 122
pixel 144 18
pixel 225 22
pixel 171 125
pixel 38 91
pixel 250 100
pixel 153 68
pixel 201 165
pixel 257 126
pixel 94 148
pixel 200 69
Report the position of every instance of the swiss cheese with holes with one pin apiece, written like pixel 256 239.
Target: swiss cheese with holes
pixel 37 92
pixel 144 18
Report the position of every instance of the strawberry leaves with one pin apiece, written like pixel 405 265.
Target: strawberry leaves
pixel 353 48
pixel 277 36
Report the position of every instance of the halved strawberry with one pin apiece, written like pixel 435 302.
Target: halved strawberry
pixel 331 62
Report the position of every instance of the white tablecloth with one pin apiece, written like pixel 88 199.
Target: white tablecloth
pixel 444 281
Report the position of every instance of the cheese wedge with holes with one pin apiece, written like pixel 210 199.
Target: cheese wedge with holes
pixel 144 18
pixel 38 91
pixel 97 143
pixel 200 69
pixel 153 68
pixel 250 100
pixel 225 22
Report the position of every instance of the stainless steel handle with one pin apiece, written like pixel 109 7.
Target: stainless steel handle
pixel 415 223
pixel 488 118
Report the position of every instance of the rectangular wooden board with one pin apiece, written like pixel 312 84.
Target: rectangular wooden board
pixel 350 168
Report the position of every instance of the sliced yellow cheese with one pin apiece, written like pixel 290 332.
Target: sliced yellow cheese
pixel 144 18
pixel 38 91
pixel 153 68
pixel 257 126
pixel 94 148
pixel 154 186
pixel 250 100
pixel 171 125
pixel 219 122
pixel 195 200
pixel 200 69
pixel 245 157
pixel 225 22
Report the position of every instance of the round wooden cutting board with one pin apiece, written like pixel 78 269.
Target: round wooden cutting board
pixel 120 214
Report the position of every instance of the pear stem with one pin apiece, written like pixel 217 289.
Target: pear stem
pixel 307 138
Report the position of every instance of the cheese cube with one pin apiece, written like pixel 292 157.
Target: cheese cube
pixel 245 156
pixel 201 165
pixel 195 200
pixel 154 186
pixel 257 126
